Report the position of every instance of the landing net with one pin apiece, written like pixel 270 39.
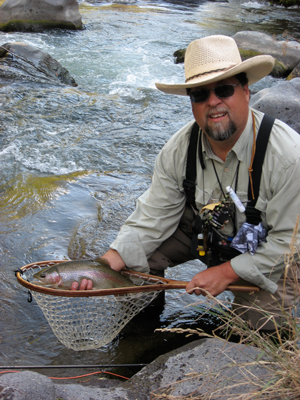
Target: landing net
pixel 85 320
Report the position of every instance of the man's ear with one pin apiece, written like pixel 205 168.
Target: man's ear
pixel 247 91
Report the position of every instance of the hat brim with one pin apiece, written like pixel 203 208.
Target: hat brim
pixel 255 68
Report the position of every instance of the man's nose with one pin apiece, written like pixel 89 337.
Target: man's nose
pixel 213 98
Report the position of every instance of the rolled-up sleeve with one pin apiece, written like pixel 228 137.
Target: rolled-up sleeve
pixel 279 203
pixel 159 209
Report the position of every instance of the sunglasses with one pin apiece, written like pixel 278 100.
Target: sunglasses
pixel 223 91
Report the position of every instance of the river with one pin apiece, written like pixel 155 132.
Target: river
pixel 74 159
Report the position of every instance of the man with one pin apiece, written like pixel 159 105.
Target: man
pixel 159 232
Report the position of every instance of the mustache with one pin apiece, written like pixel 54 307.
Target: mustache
pixel 216 111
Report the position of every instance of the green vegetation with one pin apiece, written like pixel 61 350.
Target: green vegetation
pixel 23 196
pixel 286 3
pixel 279 70
pixel 35 26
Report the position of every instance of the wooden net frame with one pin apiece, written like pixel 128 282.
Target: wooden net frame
pixel 89 319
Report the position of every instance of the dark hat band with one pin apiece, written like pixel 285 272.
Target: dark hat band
pixel 205 73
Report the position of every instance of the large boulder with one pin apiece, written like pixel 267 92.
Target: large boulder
pixel 282 101
pixel 38 15
pixel 26 386
pixel 21 61
pixel 251 44
pixel 286 51
pixel 201 368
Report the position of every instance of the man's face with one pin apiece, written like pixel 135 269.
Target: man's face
pixel 221 118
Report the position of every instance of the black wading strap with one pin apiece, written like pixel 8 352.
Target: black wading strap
pixel 252 214
pixel 189 183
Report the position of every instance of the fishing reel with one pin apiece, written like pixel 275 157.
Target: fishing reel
pixel 217 215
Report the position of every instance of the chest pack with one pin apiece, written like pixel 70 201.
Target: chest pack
pixel 189 184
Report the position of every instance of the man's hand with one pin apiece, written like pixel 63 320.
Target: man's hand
pixel 213 280
pixel 85 284
pixel 115 262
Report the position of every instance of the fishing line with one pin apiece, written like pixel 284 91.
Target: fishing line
pixel 8 369
pixel 73 366
pixel 76 377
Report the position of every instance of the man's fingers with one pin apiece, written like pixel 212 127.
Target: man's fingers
pixel 74 286
pixel 197 291
pixel 89 285
pixel 85 284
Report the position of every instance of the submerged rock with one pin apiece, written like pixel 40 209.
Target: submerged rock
pixel 38 15
pixel 21 61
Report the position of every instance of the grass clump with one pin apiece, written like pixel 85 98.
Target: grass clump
pixel 278 354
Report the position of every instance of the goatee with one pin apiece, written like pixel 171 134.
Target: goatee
pixel 219 132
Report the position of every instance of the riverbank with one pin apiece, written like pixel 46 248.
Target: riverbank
pixel 188 372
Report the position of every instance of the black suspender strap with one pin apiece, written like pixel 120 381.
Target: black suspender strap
pixel 189 183
pixel 261 147
pixel 252 214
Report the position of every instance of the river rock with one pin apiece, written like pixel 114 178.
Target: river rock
pixel 38 15
pixel 295 73
pixel 251 44
pixel 21 61
pixel 282 101
pixel 286 51
pixel 191 371
pixel 26 386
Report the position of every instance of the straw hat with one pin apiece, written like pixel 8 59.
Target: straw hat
pixel 217 57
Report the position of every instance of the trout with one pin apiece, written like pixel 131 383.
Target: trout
pixel 62 275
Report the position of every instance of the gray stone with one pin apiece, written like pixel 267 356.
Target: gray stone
pixel 78 392
pixel 201 367
pixel 26 386
pixel 295 73
pixel 38 15
pixel 196 369
pixel 26 62
pixel 288 52
pixel 282 101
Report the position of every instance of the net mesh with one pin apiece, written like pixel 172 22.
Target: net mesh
pixel 85 323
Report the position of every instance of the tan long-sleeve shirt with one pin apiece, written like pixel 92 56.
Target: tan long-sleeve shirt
pixel 160 208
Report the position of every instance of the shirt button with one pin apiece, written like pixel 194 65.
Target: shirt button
pixel 225 169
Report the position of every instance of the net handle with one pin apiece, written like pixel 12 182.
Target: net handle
pixel 158 284
pixel 175 284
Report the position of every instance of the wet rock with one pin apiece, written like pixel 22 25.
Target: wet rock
pixel 287 52
pixel 192 370
pixel 38 15
pixel 251 44
pixel 26 386
pixel 21 61
pixel 281 101
pixel 279 70
pixel 179 56
pixel 295 73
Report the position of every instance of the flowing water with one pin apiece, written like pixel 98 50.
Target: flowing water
pixel 74 159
